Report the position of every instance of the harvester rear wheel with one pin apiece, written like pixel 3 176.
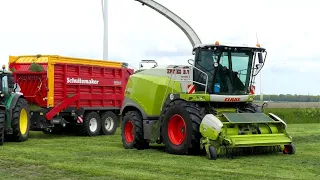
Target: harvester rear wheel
pixel 109 123
pixel 20 120
pixel 180 127
pixel 2 119
pixel 132 131
pixel 91 124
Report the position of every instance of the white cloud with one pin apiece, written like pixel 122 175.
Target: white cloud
pixel 288 30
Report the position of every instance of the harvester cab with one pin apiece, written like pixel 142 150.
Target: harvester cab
pixel 14 110
pixel 226 70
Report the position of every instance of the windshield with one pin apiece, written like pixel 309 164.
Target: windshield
pixel 231 75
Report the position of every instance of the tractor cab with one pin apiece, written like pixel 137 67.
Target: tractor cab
pixel 7 84
pixel 226 70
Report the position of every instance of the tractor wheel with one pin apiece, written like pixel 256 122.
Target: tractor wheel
pixel 91 124
pixel 2 120
pixel 289 149
pixel 109 123
pixel 180 127
pixel 20 120
pixel 132 131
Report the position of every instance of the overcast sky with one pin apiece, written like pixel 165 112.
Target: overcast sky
pixel 288 29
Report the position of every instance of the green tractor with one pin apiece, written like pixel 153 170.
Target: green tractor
pixel 206 106
pixel 14 111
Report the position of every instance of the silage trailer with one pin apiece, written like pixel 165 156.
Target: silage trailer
pixel 65 90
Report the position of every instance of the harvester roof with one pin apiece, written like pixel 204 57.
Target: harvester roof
pixel 230 47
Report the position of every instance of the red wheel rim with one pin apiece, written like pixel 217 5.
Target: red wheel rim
pixel 286 149
pixel 176 129
pixel 128 131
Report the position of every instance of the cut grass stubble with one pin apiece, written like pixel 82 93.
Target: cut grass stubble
pixel 103 157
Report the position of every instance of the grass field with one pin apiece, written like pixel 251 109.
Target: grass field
pixel 292 104
pixel 73 157
pixel 297 115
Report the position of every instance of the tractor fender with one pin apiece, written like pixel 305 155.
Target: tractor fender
pixel 129 104
pixel 14 100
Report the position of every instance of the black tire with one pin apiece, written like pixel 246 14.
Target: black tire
pixel 2 120
pixel 21 110
pixel 132 122
pixel 212 154
pixel 192 117
pixel 109 123
pixel 289 149
pixel 91 119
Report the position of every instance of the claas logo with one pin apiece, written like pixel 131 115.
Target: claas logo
pixel 232 99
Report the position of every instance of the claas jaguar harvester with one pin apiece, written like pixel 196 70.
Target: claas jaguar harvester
pixel 204 106
pixel 62 91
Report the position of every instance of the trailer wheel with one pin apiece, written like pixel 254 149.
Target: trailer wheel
pixel 91 124
pixel 109 123
pixel 180 128
pixel 2 119
pixel 132 131
pixel 20 120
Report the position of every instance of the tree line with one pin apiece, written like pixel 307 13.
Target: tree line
pixel 289 98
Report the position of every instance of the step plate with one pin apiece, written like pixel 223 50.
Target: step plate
pixel 248 118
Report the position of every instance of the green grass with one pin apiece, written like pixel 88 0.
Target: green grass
pixel 103 157
pixel 296 115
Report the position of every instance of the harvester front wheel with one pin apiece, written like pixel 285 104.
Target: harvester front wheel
pixel 2 119
pixel 20 120
pixel 132 131
pixel 180 128
pixel 109 123
pixel 91 124
pixel 289 149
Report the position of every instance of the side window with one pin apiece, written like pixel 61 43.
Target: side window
pixel 240 65
pixel 5 84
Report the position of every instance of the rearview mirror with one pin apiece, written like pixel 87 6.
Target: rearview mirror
pixel 191 62
pixel 260 57
pixel 16 87
pixel 148 61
